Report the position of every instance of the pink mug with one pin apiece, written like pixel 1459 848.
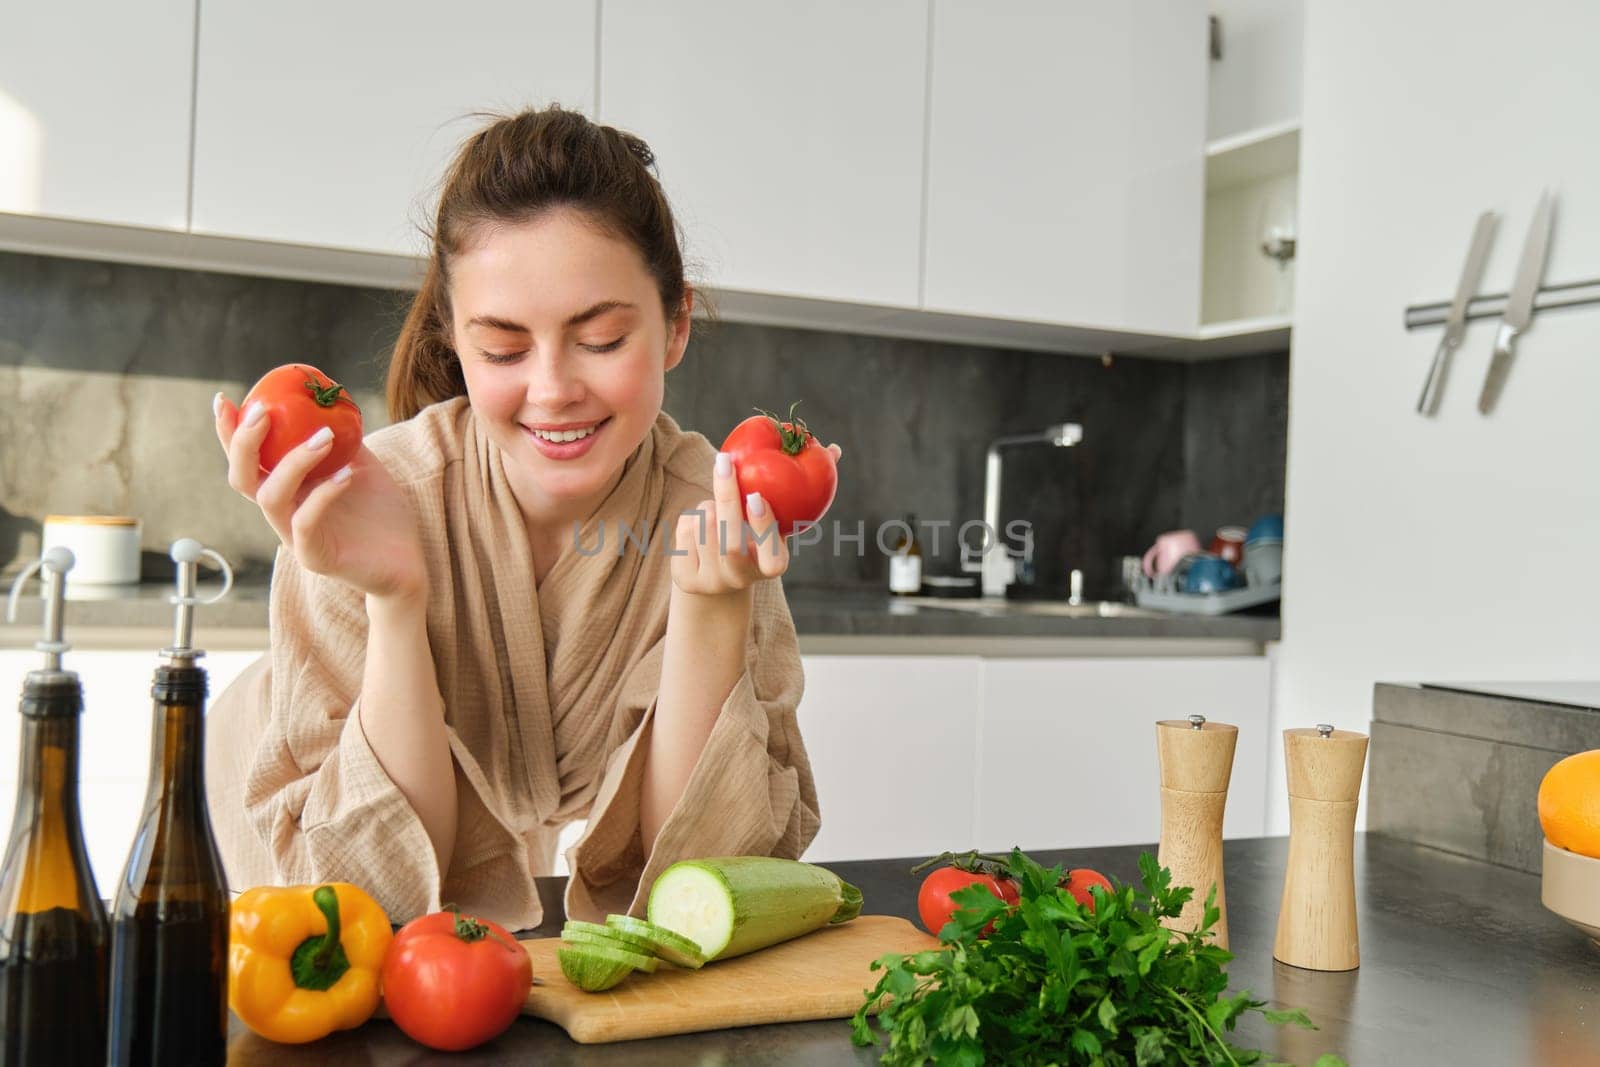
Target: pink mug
pixel 1169 548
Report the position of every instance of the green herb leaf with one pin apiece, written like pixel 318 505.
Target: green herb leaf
pixel 1149 1046
pixel 1107 1014
pixel 1297 1017
pixel 1085 1042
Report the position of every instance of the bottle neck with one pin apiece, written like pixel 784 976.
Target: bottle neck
pixel 177 750
pixel 49 826
pixel 48 773
pixel 177 739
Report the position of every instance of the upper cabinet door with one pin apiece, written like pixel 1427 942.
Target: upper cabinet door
pixel 331 123
pixel 94 110
pixel 1066 161
pixel 789 137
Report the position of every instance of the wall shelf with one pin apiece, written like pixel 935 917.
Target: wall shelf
pixel 1253 155
pixel 1252 192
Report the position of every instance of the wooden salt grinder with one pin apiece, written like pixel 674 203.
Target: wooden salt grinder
pixel 1196 763
pixel 1317 916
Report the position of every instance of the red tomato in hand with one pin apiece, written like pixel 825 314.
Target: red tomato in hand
pixel 933 899
pixel 1080 881
pixel 300 400
pixel 453 982
pixel 791 470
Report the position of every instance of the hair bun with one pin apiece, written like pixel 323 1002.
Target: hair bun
pixel 640 150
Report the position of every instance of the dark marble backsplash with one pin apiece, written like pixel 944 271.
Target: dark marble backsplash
pixel 1235 440
pixel 106 374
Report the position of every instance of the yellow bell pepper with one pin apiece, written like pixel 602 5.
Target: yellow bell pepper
pixel 304 961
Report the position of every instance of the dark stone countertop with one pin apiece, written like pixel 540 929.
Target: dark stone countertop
pixel 1460 965
pixel 147 605
pixel 818 612
pixel 871 612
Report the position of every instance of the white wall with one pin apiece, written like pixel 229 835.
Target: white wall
pixel 1458 547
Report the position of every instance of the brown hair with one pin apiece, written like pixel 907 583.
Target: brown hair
pixel 511 171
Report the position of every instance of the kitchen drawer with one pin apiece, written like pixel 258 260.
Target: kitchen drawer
pixel 892 742
pixel 1067 749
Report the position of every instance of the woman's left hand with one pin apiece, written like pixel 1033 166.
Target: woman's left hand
pixel 717 550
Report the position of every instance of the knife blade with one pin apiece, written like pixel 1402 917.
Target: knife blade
pixel 1456 322
pixel 1519 306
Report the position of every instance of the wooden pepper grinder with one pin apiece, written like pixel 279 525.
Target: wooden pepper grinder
pixel 1196 764
pixel 1317 916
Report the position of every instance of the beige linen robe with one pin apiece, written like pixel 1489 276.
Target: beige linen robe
pixel 549 695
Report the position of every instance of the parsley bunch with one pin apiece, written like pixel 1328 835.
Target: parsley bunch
pixel 1057 983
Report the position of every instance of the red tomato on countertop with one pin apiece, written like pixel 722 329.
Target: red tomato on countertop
pixel 934 905
pixel 453 982
pixel 782 461
pixel 1080 881
pixel 300 400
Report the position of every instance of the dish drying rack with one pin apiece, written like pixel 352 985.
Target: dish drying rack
pixel 1160 594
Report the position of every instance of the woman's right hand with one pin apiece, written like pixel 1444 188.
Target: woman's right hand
pixel 356 526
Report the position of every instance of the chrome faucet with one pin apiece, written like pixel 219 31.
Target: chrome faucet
pixel 994 560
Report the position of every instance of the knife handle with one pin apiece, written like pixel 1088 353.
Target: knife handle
pixel 1433 388
pixel 1505 347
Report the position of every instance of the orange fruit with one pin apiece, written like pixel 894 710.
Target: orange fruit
pixel 1569 804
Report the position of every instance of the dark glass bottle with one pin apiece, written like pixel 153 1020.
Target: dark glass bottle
pixel 169 979
pixel 53 936
pixel 169 976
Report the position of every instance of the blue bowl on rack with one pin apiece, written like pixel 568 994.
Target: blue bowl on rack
pixel 1266 528
pixel 1207 574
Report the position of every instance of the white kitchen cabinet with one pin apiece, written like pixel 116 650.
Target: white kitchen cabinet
pixel 94 110
pixel 330 124
pixel 113 741
pixel 913 755
pixel 788 137
pixel 892 741
pixel 1255 83
pixel 1066 161
pixel 1067 755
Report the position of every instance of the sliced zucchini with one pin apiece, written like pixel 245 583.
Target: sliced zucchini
pixel 631 941
pixel 674 948
pixel 635 959
pixel 593 969
pixel 733 905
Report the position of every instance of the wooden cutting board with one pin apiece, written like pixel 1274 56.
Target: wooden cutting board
pixel 823 975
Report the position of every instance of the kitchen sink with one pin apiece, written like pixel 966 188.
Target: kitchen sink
pixel 1088 609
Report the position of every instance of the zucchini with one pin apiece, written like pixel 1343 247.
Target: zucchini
pixel 593 969
pixel 631 956
pixel 627 938
pixel 674 948
pixel 737 904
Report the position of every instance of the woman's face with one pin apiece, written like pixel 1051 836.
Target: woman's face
pixel 563 343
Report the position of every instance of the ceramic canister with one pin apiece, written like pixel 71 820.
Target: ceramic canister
pixel 106 547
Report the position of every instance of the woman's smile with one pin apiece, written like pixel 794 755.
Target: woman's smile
pixel 566 440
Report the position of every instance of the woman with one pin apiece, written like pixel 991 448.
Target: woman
pixel 456 671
